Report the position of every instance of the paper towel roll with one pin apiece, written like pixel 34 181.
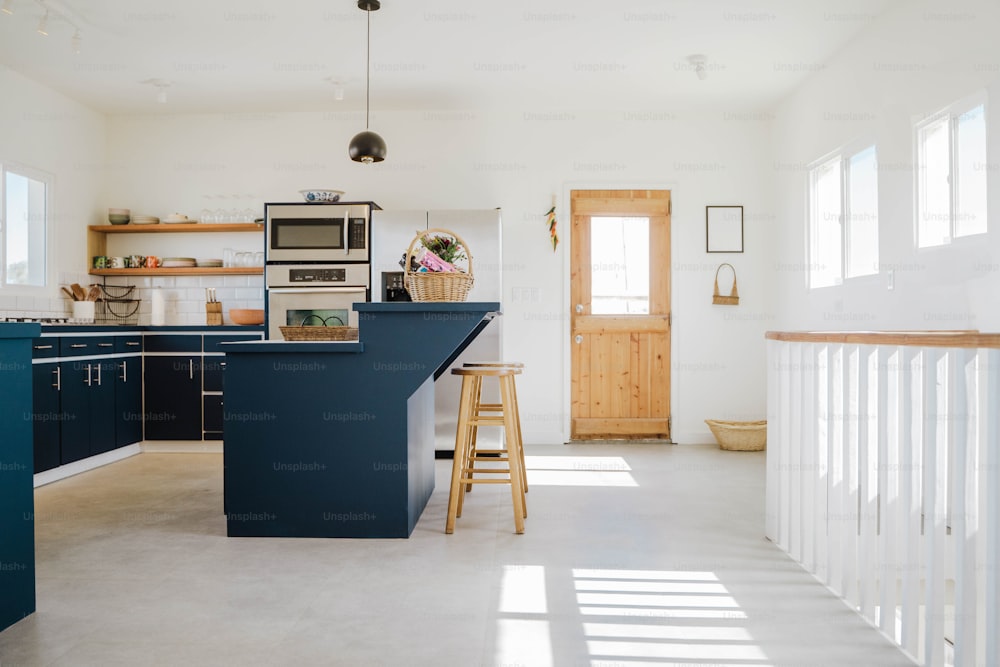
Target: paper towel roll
pixel 159 309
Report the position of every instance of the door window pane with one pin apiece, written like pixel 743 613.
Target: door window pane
pixel 970 172
pixel 619 265
pixel 24 229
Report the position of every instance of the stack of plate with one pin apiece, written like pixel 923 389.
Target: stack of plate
pixel 145 220
pixel 210 262
pixel 177 262
pixel 177 218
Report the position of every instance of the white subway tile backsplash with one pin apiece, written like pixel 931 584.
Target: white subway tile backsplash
pixel 238 281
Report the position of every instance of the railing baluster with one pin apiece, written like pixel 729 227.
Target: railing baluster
pixel 868 417
pixel 964 500
pixel 890 378
pixel 807 463
pixel 794 458
pixel 835 480
pixel 776 411
pixel 909 495
pixel 935 475
pixel 850 416
pixel 821 492
pixel 990 513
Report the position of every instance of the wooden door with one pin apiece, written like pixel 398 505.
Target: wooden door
pixel 620 314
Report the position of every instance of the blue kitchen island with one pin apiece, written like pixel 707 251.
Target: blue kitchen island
pixel 17 493
pixel 336 439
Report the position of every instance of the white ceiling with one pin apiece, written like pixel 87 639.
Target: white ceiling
pixel 274 55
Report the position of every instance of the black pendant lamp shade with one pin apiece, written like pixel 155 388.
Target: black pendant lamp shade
pixel 367 146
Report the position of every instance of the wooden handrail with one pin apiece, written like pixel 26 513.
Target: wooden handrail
pixel 966 338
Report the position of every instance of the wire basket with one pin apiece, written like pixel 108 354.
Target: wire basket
pixel 437 286
pixel 739 436
pixel 116 305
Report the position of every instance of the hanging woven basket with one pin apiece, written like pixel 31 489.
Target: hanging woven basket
pixel 734 296
pixel 433 285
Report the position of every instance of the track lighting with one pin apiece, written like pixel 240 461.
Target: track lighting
pixel 161 86
pixel 76 41
pixel 698 63
pixel 6 9
pixel 43 24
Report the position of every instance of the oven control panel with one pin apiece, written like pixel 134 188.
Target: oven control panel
pixel 317 275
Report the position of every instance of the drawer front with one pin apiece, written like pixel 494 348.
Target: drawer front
pixel 128 344
pixel 72 346
pixel 213 342
pixel 44 347
pixel 182 343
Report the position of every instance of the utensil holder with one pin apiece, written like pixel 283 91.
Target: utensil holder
pixel 213 313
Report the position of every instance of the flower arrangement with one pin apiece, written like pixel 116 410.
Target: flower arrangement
pixel 438 254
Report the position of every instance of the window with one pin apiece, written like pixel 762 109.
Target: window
pixel 24 213
pixel 843 218
pixel 619 260
pixel 951 174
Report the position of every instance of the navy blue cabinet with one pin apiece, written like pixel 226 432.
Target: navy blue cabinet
pixel 46 415
pixel 76 378
pixel 101 402
pixel 128 401
pixel 173 397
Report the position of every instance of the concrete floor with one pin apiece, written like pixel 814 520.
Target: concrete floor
pixel 632 554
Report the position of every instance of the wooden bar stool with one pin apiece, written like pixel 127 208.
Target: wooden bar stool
pixel 464 467
pixel 498 407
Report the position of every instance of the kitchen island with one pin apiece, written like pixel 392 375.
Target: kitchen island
pixel 17 499
pixel 336 439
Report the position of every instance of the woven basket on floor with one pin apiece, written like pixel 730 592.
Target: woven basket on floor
pixel 739 436
pixel 435 286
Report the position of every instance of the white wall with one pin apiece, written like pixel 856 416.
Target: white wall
pixel 49 132
pixel 518 162
pixel 914 61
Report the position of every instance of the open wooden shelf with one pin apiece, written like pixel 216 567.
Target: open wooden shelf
pixel 184 271
pixel 178 227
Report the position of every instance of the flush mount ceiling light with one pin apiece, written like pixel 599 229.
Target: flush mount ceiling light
pixel 698 63
pixel 367 147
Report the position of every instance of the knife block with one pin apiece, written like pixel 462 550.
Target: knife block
pixel 213 313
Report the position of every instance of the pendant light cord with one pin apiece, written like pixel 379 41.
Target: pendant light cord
pixel 368 68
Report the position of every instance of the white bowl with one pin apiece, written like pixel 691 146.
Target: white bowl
pixel 321 195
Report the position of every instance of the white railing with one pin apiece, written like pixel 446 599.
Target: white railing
pixel 883 480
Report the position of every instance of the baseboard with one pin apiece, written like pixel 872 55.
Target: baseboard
pixel 89 463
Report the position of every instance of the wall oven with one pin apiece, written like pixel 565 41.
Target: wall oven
pixel 314 295
pixel 335 232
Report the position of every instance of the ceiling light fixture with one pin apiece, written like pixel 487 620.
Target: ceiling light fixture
pixel 367 146
pixel 43 24
pixel 161 86
pixel 77 41
pixel 6 9
pixel 699 62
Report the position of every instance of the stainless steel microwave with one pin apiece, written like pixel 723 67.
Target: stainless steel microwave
pixel 338 232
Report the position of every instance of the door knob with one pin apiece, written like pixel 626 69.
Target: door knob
pixel 579 307
pixel 578 339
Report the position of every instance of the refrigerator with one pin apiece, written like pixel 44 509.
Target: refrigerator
pixel 391 234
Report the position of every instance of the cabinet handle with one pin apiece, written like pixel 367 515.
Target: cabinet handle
pixel 43 347
pixel 89 380
pixel 58 373
pixel 190 369
pixel 78 345
pixel 132 343
pixel 222 365
pixel 124 372
pixel 105 345
pixel 98 374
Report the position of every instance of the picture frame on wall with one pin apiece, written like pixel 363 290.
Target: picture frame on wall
pixel 724 229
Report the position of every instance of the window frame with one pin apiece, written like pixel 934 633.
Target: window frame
pixel 951 114
pixel 48 180
pixel 841 161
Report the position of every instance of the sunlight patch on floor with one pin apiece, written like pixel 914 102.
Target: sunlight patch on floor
pixel 579 471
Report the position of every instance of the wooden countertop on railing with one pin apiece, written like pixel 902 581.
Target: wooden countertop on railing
pixel 969 338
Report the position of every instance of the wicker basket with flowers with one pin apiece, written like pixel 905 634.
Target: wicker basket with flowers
pixel 431 271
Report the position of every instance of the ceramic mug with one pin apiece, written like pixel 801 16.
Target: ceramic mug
pixel 116 262
pixel 100 262
pixel 152 261
pixel 135 261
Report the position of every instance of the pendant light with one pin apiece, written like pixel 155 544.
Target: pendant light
pixel 367 146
